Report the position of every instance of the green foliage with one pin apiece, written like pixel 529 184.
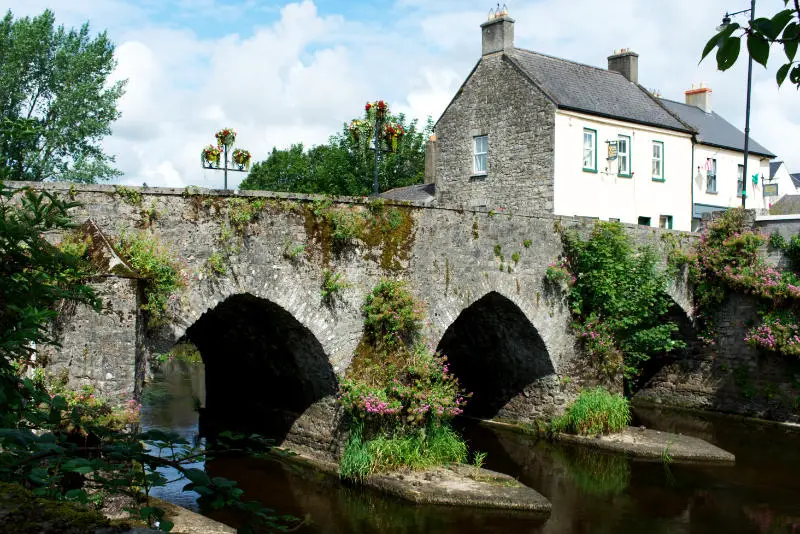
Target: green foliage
pixel 399 393
pixel 595 411
pixel 341 167
pixel 34 278
pixel 602 475
pixel 783 27
pixel 243 211
pixel 155 263
pixel 57 101
pixel 333 283
pixel 527 243
pixel 182 352
pixel 392 317
pixel 515 258
pixel 216 264
pixel 777 241
pixel 422 448
pixel 293 251
pixel 129 195
pixel 618 299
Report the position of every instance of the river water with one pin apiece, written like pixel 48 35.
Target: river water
pixel 591 492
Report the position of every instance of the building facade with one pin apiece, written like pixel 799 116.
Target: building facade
pixel 531 133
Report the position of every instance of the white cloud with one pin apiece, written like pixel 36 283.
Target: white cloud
pixel 294 74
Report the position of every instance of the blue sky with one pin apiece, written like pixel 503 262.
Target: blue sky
pixel 286 72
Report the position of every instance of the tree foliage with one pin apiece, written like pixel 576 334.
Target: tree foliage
pixel 783 29
pixel 56 101
pixel 341 166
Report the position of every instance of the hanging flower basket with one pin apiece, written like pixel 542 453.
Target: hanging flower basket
pixel 226 137
pixel 356 127
pixel 380 108
pixel 392 133
pixel 210 156
pixel 241 158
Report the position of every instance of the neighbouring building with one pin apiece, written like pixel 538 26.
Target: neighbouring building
pixel 779 184
pixel 532 133
pixel 718 159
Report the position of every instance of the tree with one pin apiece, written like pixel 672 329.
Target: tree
pixel 343 166
pixel 783 28
pixel 56 102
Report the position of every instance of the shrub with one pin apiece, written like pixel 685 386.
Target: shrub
pixel 391 315
pixel 332 284
pixel 163 274
pixel 595 411
pixel 618 298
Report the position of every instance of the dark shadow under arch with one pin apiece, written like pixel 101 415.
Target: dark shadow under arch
pixel 263 368
pixel 495 352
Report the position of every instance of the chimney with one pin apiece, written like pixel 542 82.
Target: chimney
pixel 498 31
pixel 699 97
pixel 626 62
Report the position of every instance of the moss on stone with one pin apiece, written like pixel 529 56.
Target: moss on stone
pixel 34 515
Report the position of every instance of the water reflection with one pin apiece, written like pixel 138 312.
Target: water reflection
pixel 591 492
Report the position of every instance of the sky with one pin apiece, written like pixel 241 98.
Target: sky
pixel 294 72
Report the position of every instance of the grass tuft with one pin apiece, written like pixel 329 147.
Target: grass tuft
pixel 595 411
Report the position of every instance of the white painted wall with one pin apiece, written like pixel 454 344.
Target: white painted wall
pixel 727 175
pixel 604 194
pixel 784 182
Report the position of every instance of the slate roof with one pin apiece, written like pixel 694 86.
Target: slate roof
pixel 773 168
pixel 713 130
pixel 413 193
pixel 787 205
pixel 796 179
pixel 577 87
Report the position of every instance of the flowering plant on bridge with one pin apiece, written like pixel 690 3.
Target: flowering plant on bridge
pixel 392 317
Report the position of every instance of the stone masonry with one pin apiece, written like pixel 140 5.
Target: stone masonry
pixel 459 262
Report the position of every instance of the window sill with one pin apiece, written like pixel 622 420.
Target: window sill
pixel 662 180
pixel 624 176
pixel 478 177
pixel 711 192
pixel 590 170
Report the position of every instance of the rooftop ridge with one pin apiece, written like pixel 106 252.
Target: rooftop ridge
pixel 548 56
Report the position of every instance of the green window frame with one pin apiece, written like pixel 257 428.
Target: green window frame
pixel 658 161
pixel 590 151
pixel 665 221
pixel 627 154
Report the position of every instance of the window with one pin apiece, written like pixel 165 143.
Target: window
pixel 658 161
pixel 644 221
pixel 711 175
pixel 624 156
pixel 739 180
pixel 589 150
pixel 481 153
pixel 665 221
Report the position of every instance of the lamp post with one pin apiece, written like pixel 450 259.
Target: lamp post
pixel 210 156
pixel 372 132
pixel 726 20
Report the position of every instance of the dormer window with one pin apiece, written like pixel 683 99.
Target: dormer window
pixel 480 154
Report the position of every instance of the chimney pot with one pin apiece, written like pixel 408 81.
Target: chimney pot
pixel 699 97
pixel 626 62
pixel 497 33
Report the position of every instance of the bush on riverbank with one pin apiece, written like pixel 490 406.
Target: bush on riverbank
pixel 399 392
pixel 595 411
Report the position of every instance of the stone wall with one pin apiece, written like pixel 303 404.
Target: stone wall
pixel 498 101
pixel 463 264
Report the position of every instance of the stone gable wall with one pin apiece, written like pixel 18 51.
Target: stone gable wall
pixel 498 101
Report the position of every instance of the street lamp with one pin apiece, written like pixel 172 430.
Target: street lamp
pixel 726 20
pixel 211 155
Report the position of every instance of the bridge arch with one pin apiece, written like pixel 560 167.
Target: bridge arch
pixel 499 356
pixel 265 371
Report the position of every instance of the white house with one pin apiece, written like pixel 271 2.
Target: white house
pixel 718 159
pixel 532 133
pixel 779 184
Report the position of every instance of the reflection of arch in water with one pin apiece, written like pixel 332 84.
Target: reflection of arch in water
pixel 264 369
pixel 495 352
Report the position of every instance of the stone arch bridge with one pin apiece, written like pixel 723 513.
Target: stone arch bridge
pixel 273 347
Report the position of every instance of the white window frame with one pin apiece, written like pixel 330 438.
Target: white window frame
pixel 739 180
pixel 624 155
pixel 658 161
pixel 480 155
pixel 711 174
pixel 590 150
